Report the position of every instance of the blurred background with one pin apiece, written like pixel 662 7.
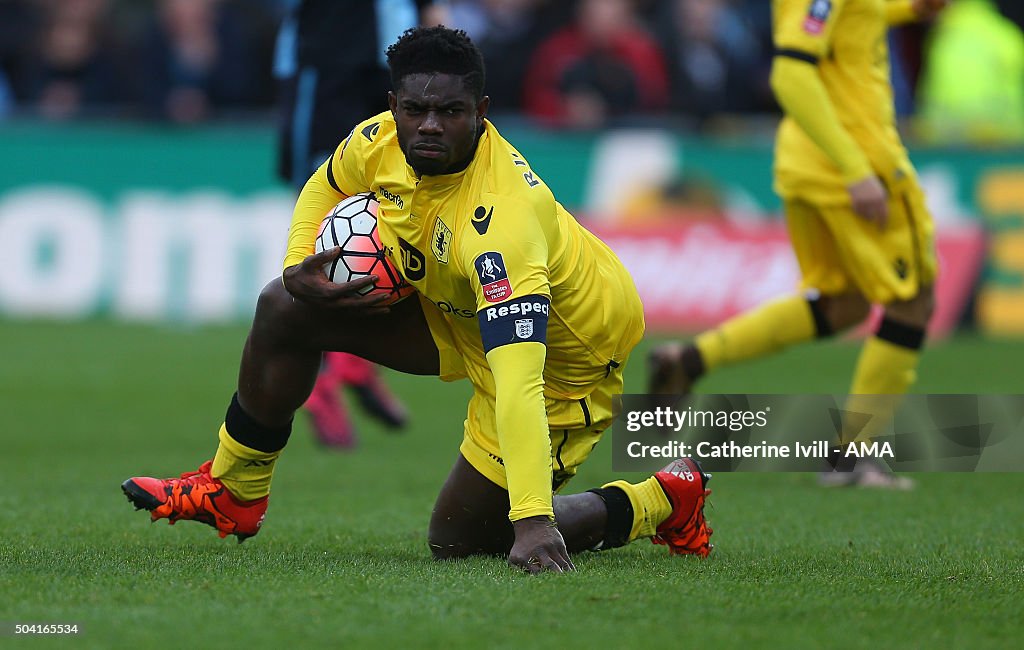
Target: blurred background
pixel 139 175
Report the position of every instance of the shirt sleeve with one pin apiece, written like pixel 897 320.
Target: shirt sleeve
pixel 340 176
pixel 507 269
pixel 805 26
pixel 803 32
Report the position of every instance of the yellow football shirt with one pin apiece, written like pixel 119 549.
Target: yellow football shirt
pixel 846 41
pixel 505 264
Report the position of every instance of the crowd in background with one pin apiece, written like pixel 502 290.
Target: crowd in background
pixel 583 64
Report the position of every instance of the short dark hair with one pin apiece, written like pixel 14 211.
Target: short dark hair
pixel 426 50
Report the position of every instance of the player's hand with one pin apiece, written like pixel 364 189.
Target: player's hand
pixel 306 281
pixel 870 200
pixel 928 9
pixel 539 547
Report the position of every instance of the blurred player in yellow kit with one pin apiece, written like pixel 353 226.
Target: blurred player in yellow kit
pixel 512 293
pixel 855 212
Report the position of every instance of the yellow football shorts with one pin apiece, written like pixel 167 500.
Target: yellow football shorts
pixel 575 425
pixel 576 428
pixel 840 252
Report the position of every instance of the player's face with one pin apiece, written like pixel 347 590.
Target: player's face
pixel 438 122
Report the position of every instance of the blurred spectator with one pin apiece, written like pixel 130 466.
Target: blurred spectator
pixel 75 63
pixel 1013 10
pixel 715 59
pixel 973 84
pixel 504 30
pixel 601 67
pixel 6 95
pixel 900 75
pixel 331 77
pixel 20 23
pixel 195 61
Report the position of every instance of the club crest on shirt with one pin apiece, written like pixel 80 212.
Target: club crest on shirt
pixel 490 268
pixel 524 328
pixel 817 16
pixel 441 241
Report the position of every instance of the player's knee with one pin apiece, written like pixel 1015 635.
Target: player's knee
pixel 276 312
pixel 441 550
pixel 917 311
pixel 842 311
pixel 449 540
pixel 446 546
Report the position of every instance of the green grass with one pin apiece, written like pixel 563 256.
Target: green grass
pixel 342 560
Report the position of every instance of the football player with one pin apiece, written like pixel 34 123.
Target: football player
pixel 512 293
pixel 855 212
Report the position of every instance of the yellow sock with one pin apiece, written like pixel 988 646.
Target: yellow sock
pixel 884 372
pixel 761 331
pixel 884 368
pixel 650 506
pixel 244 471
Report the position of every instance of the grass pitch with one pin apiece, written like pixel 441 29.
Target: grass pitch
pixel 342 559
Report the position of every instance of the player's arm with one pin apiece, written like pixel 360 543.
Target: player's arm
pixel 303 274
pixel 316 198
pixel 507 269
pixel 516 353
pixel 518 368
pixel 802 37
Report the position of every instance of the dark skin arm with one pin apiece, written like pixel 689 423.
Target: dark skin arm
pixel 306 281
pixel 539 546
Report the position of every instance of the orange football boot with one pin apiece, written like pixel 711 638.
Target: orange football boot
pixel 199 497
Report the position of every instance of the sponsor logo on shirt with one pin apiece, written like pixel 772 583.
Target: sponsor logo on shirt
pixel 482 218
pixel 413 262
pixel 817 16
pixel 490 268
pixel 391 196
pixel 449 308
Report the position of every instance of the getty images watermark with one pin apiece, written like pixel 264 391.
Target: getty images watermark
pixel 809 433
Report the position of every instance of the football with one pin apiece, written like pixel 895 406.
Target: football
pixel 352 225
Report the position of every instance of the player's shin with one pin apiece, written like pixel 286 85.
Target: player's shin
pixel 247 453
pixel 886 369
pixel 634 510
pixel 761 331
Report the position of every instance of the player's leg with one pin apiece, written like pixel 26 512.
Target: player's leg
pixel 894 267
pixel 280 362
pixel 471 513
pixel 829 304
pixel 328 415
pixel 363 378
pixel 889 357
pixel 342 371
pixel 470 516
